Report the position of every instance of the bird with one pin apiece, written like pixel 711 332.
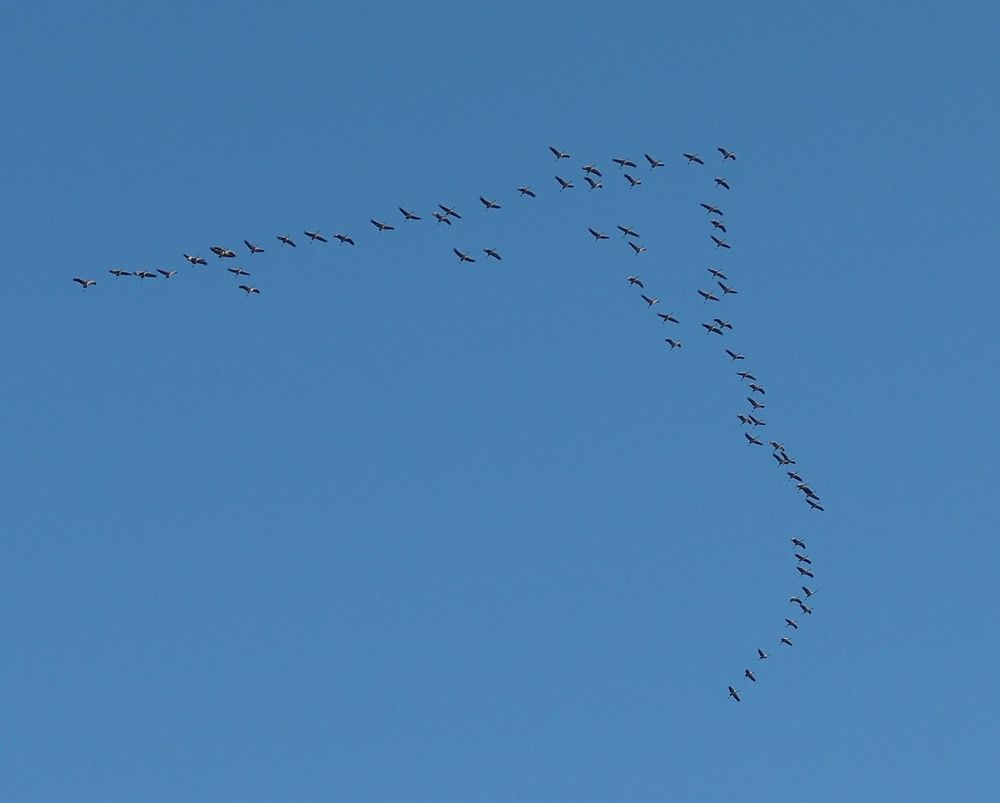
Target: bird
pixel 343 239
pixel 795 600
pixel 633 181
pixel 815 505
pixel 462 256
pixel 693 157
pixel 761 655
pixel 167 274
pixel 806 609
pixel 785 459
pixel 727 290
pixel 622 162
pixel 711 209
pixel 594 185
pixel 564 184
pixel 749 675
pixel 628 231
pixel 792 475
pixel 195 260
pixel 721 181
pixel 598 235
pixel 735 355
pixel 246 288
pixel 755 388
pixel 734 694
pixel 286 240
pixel 798 541
pixel 441 217
pixel 723 324
pixel 650 301
pixel 786 640
pixel 744 419
pixel 756 421
pixel 636 281
pixel 718 224
pixel 805 572
pixel 807 591
pixel 667 317
pixel 653 163
pixel 492 252
pixel 754 403
pixel 558 153
pixel 118 273
pixel 592 169
pixel 807 491
pixel 803 558
pixel 488 203
pixel 145 274
pixel 751 440
pixel 637 248
pixel 711 327
pixel 718 274
pixel 237 272
pixel 314 236
pixel 674 344
pixel 720 243
pixel 254 248
pixel 85 283
pixel 378 224
pixel 407 214
pixel 791 623
pixel 449 211
pixel 726 154
pixel 527 191
pixel 745 375
pixel 708 295
pixel 222 253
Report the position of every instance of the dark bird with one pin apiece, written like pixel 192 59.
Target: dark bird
pixel 195 260
pixel 441 217
pixel 674 344
pixel 222 253
pixel 488 203
pixel 598 235
pixel 707 295
pixel 237 272
pixel 449 211
pixel 623 163
pixel 727 290
pixel 637 248
pixel 761 655
pixel 85 283
pixel 723 324
pixel 462 256
pixel 711 209
pixel 726 154
pixel 721 181
pixel 791 623
pixel 756 421
pixel 492 252
pixel 744 419
pixel 711 327
pixel 745 375
pixel 558 153
pixel 749 675
pixel 718 224
pixel 650 301
pixel 751 440
pixel 254 248
pixel 286 240
pixel 628 231
pixel 407 214
pixel 564 184
pixel 815 505
pixel 720 243
pixel 246 288
pixel 718 274
pixel 734 694
pixel 798 542
pixel 592 170
pixel 693 157
pixel 806 609
pixel 735 356
pixel 166 274
pixel 807 591
pixel 527 191
pixel 314 236
pixel 795 600
pixel 116 272
pixel 653 163
pixel 754 403
pixel 145 274
pixel 378 224
pixel 785 459
pixel 786 640
pixel 807 491
pixel 632 180
pixel 803 558
pixel 594 185
pixel 636 281
pixel 667 317
pixel 805 572
pixel 343 239
pixel 755 388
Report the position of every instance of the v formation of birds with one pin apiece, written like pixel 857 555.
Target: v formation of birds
pixel 751 419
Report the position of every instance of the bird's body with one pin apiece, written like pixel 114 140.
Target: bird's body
pixel 166 274
pixel 749 675
pixel 674 344
pixel 558 153
pixel 315 236
pixel 598 235
pixel 734 694
pixel 85 283
pixel 492 252
pixel 637 248
pixel 650 301
pixel 237 272
pixel 719 243
pixel 254 248
pixel 594 185
pixel 693 158
pixel 462 256
pixel 721 182
pixel 632 180
pixel 381 226
pixel 628 231
pixel 735 355
pixel 222 253
pixel 623 163
pixel 488 203
pixel 708 295
pixel 751 440
pixel 564 184
pixel 653 163
pixel 527 191
pixel 668 317
pixel 711 209
pixel 636 281
pixel 407 214
pixel 726 154
pixel 343 238
pixel 284 239
pixel 246 288
pixel 117 272
pixel 195 260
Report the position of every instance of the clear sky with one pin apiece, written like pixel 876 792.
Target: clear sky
pixel 402 528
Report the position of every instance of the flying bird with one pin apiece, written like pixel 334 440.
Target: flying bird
pixel 636 281
pixel 711 327
pixel 727 290
pixel 718 224
pixel 637 248
pixel 726 154
pixel 719 243
pixel 407 214
pixel 755 388
pixel 650 301
pixel 674 344
pixel 449 211
pixel 749 675
pixel 754 403
pixel 378 224
pixel 798 542
pixel 761 655
pixel 723 324
pixel 117 272
pixel 653 163
pixel 756 421
pixel 598 235
pixel 751 440
pixel 807 591
pixel 488 203
pixel 718 274
pixel 145 274
pixel 735 355
pixel 793 476
pixel 195 260
pixel 222 253
pixel 85 283
pixel 693 157
pixel 527 191
pixel 558 153
pixel 622 163
pixel 314 236
pixel 711 209
pixel 805 572
pixel 462 256
pixel 667 317
pixel 791 623
pixel 707 295
pixel 745 375
pixel 286 240
pixel 564 184
pixel 343 239
pixel 734 694
pixel 632 180
pixel 594 185
pixel 237 272
pixel 721 181
pixel 592 169
pixel 628 231
pixel 786 640
pixel 254 248
pixel 167 274
pixel 441 217
pixel 246 288
pixel 806 609
pixel 815 505
pixel 744 419
pixel 492 252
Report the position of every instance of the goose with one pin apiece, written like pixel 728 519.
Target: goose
pixel 222 253
pixel 668 317
pixel 246 288
pixel 798 542
pixel 594 185
pixel 486 202
pixel 650 301
pixel 378 224
pixel 711 209
pixel 720 243
pixel 441 217
pixel 592 170
pixel 735 355
pixel 407 214
pixel 718 224
pixel 791 623
pixel 815 505
pixel 85 283
pixel 723 324
pixel 492 252
pixel 314 236
pixel 786 640
pixel 711 327
pixel 805 573
pixel 718 274
pixel 449 211
pixel 708 295
pixel 637 248
pixel 462 256
pixel 806 609
pixel 693 157
pixel 807 591
pixel 286 240
pixel 745 375
pixel 628 231
pixel 721 181
pixel 754 403
pixel 653 163
pixel 803 558
pixel 564 184
pixel 527 191
pixel 237 272
pixel 623 163
pixel 727 290
pixel 598 235
pixel 757 422
pixel 195 260
pixel 166 274
pixel 632 180
pixel 343 238
pixel 674 344
pixel 734 694
pixel 749 675
pixel 755 388
pixel 636 281
pixel 751 440
pixel 761 655
pixel 558 153
pixel 254 248
pixel 118 273
pixel 726 154
pixel 145 274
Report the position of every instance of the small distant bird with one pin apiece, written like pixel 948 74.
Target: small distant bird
pixel 167 274
pixel 727 290
pixel 246 288
pixel 343 239
pixel 744 419
pixel 145 274
pixel 564 184
pixel 718 274
pixel 755 388
pixel 721 181
pixel 807 491
pixel 594 185
pixel 720 243
pixel 527 191
pixel 632 180
pixel 314 236
pixel 707 295
pixel 756 421
pixel 815 505
pixel 462 256
pixel 711 327
pixel 222 253
pixel 674 344
pixel 761 655
pixel 793 476
pixel 798 542
pixel 805 572
pixel 795 600
pixel 117 272
pixel 407 214
pixel 806 609
pixel 622 163
pixel 378 224
pixel 749 675
pixel 650 301
pixel 628 231
pixel 786 640
pixel 254 248
pixel 195 260
pixel 734 694
pixel 85 283
pixel 558 153
pixel 592 169
pixel 237 272
pixel 711 209
pixel 693 157
pixel 791 623
pixel 636 281
pixel 440 217
pixel 449 211
pixel 286 240
pixel 751 440
pixel 667 317
pixel 807 591
pixel 726 154
pixel 723 324
pixel 653 163
pixel 637 248
pixel 598 235
pixel 492 252
pixel 803 558
pixel 735 355
pixel 718 224
pixel 486 202
pixel 754 403
pixel 745 375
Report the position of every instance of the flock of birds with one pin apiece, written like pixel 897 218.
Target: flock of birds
pixel 446 215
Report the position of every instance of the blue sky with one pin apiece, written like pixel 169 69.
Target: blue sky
pixel 400 528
